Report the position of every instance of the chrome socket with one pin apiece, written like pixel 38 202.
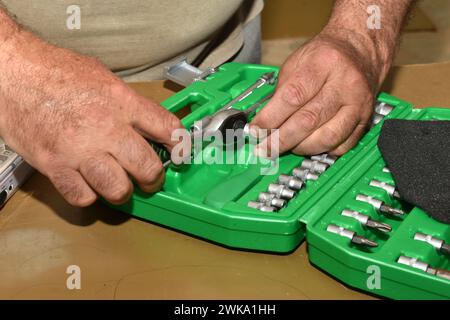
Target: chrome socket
pixel 260 206
pixel 417 264
pixel 325 158
pixel 390 189
pixel 377 118
pixel 383 108
pixel 290 182
pixel 413 262
pixel 271 200
pixel 340 231
pixel 314 166
pixel 281 191
pixel 355 215
pixel 372 201
pixel 435 242
pixel 304 174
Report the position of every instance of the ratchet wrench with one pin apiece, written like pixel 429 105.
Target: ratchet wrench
pixel 267 78
pixel 230 119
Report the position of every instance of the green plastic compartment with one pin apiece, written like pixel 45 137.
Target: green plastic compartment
pixel 210 201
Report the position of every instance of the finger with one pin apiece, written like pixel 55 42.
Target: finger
pixel 301 86
pixel 107 178
pixel 71 185
pixel 308 118
pixel 351 141
pixel 138 158
pixel 155 122
pixel 331 134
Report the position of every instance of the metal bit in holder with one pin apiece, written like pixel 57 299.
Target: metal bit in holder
pixel 383 108
pixel 380 205
pixel 271 200
pixel 261 206
pixel 418 264
pixel 390 189
pixel 354 238
pixel 439 244
pixel 304 174
pixel 325 158
pixel 376 118
pixel 314 166
pixel 290 182
pixel 367 221
pixel 281 191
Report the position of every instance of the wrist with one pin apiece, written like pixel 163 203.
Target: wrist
pixel 373 56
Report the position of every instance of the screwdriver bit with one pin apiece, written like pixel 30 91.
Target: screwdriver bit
pixel 355 238
pixel 281 191
pixel 380 205
pixel 417 264
pixel 304 174
pixel 390 189
pixel 314 166
pixel 367 221
pixel 439 244
pixel 290 182
pixel 376 118
pixel 260 206
pixel 271 200
pixel 383 108
pixel 325 158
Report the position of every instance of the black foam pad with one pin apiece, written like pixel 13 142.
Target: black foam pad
pixel 418 155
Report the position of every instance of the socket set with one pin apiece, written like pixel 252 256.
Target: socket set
pixel 347 209
pixel 287 186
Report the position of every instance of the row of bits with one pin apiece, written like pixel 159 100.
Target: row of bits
pixel 437 243
pixel 416 263
pixel 380 206
pixel 278 194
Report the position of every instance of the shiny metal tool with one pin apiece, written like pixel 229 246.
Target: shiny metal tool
pixel 390 189
pixel 314 166
pixel 354 238
pixel 290 182
pixel 281 191
pixel 267 78
pixel 380 205
pixel 271 200
pixel 367 221
pixel 325 158
pixel 229 119
pixel 418 264
pixel 261 206
pixel 304 174
pixel 439 244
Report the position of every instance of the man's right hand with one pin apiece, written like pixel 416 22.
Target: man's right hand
pixel 76 122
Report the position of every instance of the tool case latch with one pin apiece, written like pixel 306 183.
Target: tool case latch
pixel 184 74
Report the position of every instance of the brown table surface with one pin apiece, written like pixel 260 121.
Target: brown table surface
pixel 125 258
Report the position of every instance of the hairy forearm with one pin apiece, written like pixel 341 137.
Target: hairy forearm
pixel 376 47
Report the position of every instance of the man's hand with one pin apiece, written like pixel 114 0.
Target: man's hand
pixel 77 123
pixel 323 101
pixel 324 98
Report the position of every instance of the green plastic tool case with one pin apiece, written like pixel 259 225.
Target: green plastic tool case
pixel 210 200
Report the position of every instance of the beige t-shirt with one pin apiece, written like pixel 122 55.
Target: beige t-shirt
pixel 134 36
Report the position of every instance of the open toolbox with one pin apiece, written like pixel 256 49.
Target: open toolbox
pixel 210 200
